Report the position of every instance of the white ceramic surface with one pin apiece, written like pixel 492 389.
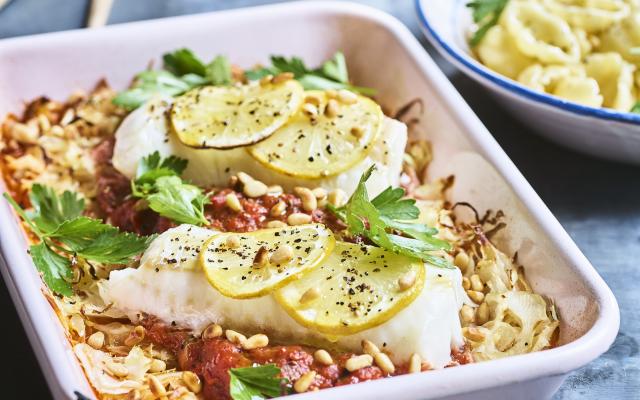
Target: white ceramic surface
pixel 600 132
pixel 382 53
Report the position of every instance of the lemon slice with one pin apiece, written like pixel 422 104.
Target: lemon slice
pixel 357 287
pixel 326 137
pixel 223 117
pixel 245 265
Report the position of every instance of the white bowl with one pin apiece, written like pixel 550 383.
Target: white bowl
pixel 600 132
pixel 382 53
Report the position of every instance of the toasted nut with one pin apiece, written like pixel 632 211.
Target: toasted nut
pixel 23 133
pixel 303 383
pixel 331 94
pixel 283 77
pixel 331 110
pixel 461 261
pixel 232 201
pixel 192 381
pixel 323 357
pixel 274 189
pixel 135 336
pixel 180 393
pixel 472 333
pixel 157 388
pixel 482 314
pixel 357 362
pixel 384 362
pixel 254 189
pixel 476 283
pixel 310 110
pixel 309 295
pixel 96 340
pixel 77 324
pixel 357 132
pixel 407 280
pixel 415 363
pixel 157 366
pixel 467 314
pixel 235 337
pixel 466 283
pixel 256 342
pixel 337 198
pixel 117 369
pixel 369 347
pixel 320 193
pixel 477 297
pixel 278 209
pixel 282 255
pixel 262 257
pixel 298 219
pixel 265 80
pixel 232 242
pixel 347 97
pixel 309 201
pixel 244 178
pixel 276 224
pixel 312 99
pixel 134 395
pixel 212 331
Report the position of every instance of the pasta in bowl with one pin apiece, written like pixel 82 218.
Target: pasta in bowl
pixel 568 68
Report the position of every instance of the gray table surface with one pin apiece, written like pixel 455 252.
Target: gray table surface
pixel 596 201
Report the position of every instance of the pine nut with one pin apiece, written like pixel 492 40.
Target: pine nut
pixel 331 94
pixel 235 337
pixel 274 189
pixel 357 132
pixel 134 395
pixel 117 369
pixel 77 324
pixel 466 283
pixel 157 388
pixel 244 178
pixel 472 333
pixel 337 198
pixel 467 314
pixel 278 209
pixel 157 366
pixel 232 201
pixel 262 258
pixel 310 110
pixel 181 393
pixel 415 363
pixel 192 381
pixel 303 383
pixel 96 340
pixel 254 189
pixel 282 255
pixel 357 362
pixel 312 99
pixel 407 280
pixel 384 362
pixel 477 297
pixel 347 97
pixel 135 336
pixel 482 314
pixel 265 80
pixel 369 348
pixel 298 219
pixel 276 224
pixel 256 342
pixel 476 283
pixel 331 110
pixel 320 193
pixel 309 295
pixel 309 201
pixel 212 331
pixel 461 261
pixel 323 357
pixel 283 77
pixel 232 242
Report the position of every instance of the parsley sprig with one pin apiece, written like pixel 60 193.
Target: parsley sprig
pixel 182 71
pixel 64 232
pixel 158 182
pixel 486 13
pixel 256 383
pixel 389 212
pixel 332 74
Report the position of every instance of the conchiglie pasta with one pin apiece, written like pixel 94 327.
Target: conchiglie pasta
pixel 499 52
pixel 569 82
pixel 623 37
pixel 539 34
pixel 615 78
pixel 590 15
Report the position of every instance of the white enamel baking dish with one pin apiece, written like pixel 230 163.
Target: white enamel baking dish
pixel 382 53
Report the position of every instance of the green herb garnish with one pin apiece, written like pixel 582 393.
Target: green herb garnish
pixel 64 233
pixel 158 182
pixel 636 108
pixel 486 13
pixel 256 383
pixel 331 75
pixel 390 212
pixel 182 71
